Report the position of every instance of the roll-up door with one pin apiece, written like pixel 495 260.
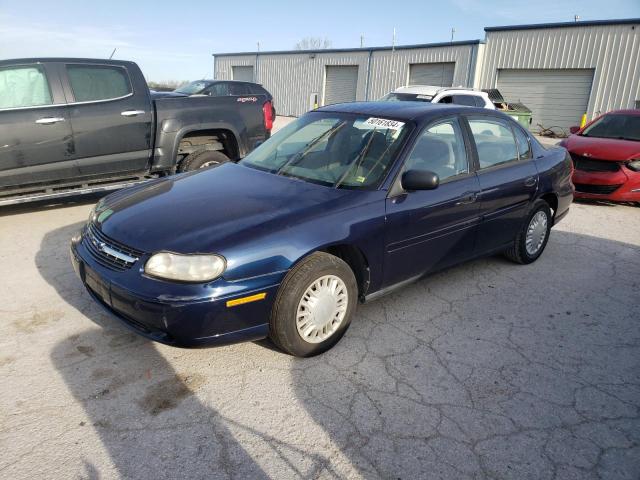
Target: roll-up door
pixel 556 97
pixel 436 74
pixel 243 73
pixel 340 84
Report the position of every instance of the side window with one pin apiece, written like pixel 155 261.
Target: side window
pixel 480 102
pixel 469 100
pixel 98 82
pixel 218 90
pixel 524 147
pixel 494 141
pixel 440 149
pixel 24 86
pixel 239 89
pixel 446 99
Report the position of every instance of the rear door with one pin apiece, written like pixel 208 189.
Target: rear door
pixel 508 179
pixel 111 117
pixel 36 143
pixel 431 229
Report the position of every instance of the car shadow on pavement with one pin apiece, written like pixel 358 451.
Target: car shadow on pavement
pixel 147 415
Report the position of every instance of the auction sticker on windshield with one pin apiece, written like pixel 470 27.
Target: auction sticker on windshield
pixel 384 123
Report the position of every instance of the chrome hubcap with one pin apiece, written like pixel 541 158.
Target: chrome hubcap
pixel 536 233
pixel 322 309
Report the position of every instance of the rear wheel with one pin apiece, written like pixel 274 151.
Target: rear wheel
pixel 202 159
pixel 533 236
pixel 314 306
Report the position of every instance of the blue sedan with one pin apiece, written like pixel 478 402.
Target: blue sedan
pixel 341 206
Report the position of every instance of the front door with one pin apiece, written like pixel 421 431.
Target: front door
pixel 431 229
pixel 36 143
pixel 112 123
pixel 508 180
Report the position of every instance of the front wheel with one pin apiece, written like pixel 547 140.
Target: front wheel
pixel 314 306
pixel 533 236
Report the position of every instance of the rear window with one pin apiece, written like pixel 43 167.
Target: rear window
pixel 406 97
pixel 98 82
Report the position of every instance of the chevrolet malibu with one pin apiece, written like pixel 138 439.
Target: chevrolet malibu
pixel 341 206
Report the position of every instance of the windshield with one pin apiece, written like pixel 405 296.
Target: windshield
pixel 406 97
pixel 623 127
pixel 336 150
pixel 192 88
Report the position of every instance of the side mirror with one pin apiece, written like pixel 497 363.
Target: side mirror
pixel 419 180
pixel 574 129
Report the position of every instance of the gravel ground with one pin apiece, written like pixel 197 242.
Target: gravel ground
pixel 487 370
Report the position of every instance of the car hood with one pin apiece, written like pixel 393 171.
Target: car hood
pixel 201 212
pixel 603 148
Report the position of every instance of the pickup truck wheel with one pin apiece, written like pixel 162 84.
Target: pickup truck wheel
pixel 202 159
pixel 314 305
pixel 533 236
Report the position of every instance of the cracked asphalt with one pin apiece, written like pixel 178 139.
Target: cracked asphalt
pixel 487 370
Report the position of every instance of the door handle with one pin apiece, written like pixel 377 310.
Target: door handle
pixel 49 120
pixel 132 113
pixel 530 182
pixel 467 198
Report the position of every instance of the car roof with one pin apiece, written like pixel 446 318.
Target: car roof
pixel 14 61
pixel 227 81
pixel 429 89
pixel 403 111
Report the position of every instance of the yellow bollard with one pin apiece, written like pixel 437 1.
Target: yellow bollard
pixel 583 120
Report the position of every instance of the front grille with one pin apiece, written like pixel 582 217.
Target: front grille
pixel 593 164
pixel 597 189
pixel 107 252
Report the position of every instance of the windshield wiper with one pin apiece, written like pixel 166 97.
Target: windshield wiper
pixel 356 161
pixel 298 156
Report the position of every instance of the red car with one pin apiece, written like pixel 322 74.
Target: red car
pixel 606 157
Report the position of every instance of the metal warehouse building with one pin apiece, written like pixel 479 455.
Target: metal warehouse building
pixel 560 71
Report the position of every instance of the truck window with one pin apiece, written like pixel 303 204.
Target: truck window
pixel 217 90
pixel 24 86
pixel 468 100
pixel 239 89
pixel 98 82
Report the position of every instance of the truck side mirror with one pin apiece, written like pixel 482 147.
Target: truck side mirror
pixel 419 180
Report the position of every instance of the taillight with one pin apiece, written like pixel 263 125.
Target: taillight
pixel 267 111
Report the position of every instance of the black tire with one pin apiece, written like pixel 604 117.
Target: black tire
pixel 282 328
pixel 518 251
pixel 202 158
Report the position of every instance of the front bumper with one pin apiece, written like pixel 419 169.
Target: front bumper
pixel 182 315
pixel 624 185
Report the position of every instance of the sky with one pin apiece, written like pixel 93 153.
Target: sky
pixel 175 41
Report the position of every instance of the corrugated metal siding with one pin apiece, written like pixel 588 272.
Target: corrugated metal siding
pixel 390 70
pixel 612 50
pixel 293 78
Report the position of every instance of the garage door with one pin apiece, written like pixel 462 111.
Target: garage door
pixel 340 84
pixel 557 98
pixel 437 74
pixel 244 73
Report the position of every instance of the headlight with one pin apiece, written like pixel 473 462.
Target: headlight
pixel 634 165
pixel 185 268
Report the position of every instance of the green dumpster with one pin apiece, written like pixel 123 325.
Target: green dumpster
pixel 520 113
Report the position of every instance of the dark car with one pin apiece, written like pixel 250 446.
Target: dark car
pixel 224 88
pixel 343 205
pixel 606 156
pixel 75 125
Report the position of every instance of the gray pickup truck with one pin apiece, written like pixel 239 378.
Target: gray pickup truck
pixel 71 126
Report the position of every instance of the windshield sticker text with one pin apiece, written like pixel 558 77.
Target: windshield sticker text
pixel 384 123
